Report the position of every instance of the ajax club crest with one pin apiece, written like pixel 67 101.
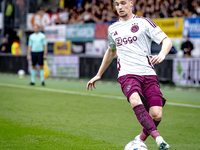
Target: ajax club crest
pixel 134 28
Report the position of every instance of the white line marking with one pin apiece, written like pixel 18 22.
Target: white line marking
pixel 85 94
pixel 60 91
pixel 184 105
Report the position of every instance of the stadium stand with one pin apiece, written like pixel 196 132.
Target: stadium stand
pixel 103 10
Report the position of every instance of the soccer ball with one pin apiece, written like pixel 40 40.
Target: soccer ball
pixel 21 73
pixel 134 145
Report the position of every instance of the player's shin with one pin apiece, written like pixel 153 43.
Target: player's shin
pixel 42 75
pixel 144 135
pixel 145 120
pixel 33 73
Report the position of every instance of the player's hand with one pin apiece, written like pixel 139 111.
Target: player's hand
pixel 156 59
pixel 91 83
pixel 45 56
pixel 28 57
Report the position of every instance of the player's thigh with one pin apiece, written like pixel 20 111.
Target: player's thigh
pixel 152 92
pixel 156 112
pixel 34 58
pixel 40 58
pixel 131 87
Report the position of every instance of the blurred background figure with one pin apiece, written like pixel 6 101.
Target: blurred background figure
pixel 187 47
pixel 4 48
pixel 15 47
pixel 37 51
pixel 9 15
pixel 41 10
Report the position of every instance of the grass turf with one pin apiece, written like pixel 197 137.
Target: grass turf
pixel 32 119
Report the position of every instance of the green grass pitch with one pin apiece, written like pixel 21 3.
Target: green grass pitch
pixel 64 116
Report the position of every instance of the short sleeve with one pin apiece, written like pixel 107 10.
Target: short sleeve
pixel 30 43
pixel 44 40
pixel 154 31
pixel 111 42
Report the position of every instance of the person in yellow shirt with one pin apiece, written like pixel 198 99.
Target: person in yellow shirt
pixel 8 15
pixel 15 48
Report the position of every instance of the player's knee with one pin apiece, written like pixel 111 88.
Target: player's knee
pixel 157 116
pixel 156 113
pixel 41 66
pixel 134 103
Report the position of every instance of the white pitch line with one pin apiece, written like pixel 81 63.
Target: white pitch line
pixel 85 94
pixel 60 91
pixel 184 105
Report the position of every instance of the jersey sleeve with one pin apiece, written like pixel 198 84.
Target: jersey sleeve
pixel 44 40
pixel 30 43
pixel 111 42
pixel 154 31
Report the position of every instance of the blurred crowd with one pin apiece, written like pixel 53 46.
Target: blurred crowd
pixel 167 8
pixel 104 11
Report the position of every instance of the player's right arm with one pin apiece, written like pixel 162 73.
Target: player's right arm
pixel 107 59
pixel 29 53
pixel 29 48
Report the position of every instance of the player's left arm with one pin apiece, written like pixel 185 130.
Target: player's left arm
pixel 45 52
pixel 154 32
pixel 30 43
pixel 165 49
pixel 45 48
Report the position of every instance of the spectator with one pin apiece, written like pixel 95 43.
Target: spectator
pixel 138 10
pixel 96 13
pixel 108 14
pixel 187 47
pixel 73 17
pixel 111 15
pixel 15 47
pixel 196 8
pixel 101 6
pixel 147 13
pixel 63 17
pixel 9 10
pixel 0 5
pixel 8 15
pixel 163 11
pixel 41 10
pixel 47 10
pixel 86 16
pixel 4 48
pixel 102 11
pixel 187 13
pixel 178 5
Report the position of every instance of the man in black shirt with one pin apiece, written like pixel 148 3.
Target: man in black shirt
pixel 4 46
pixel 187 47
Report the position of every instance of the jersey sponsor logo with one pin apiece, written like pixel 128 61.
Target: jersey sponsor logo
pixel 115 33
pixel 128 88
pixel 118 41
pixel 123 41
pixel 134 28
pixel 159 32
